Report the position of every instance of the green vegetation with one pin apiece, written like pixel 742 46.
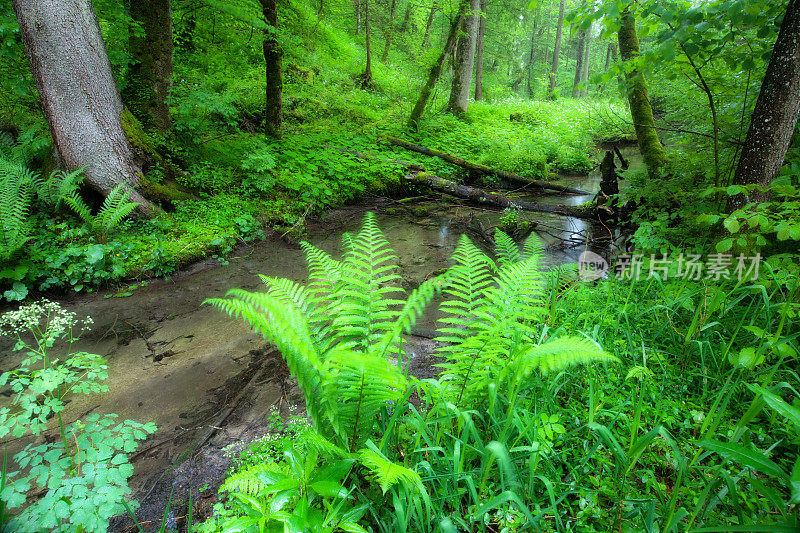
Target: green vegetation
pixel 133 147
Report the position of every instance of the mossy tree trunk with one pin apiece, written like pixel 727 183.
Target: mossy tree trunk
pixel 438 66
pixel 389 31
pixel 428 25
pixel 587 47
pixel 150 79
pixel 81 102
pixel 642 113
pixel 465 60
pixel 366 77
pixel 579 55
pixel 273 55
pixel 479 52
pixel 557 49
pixel 775 115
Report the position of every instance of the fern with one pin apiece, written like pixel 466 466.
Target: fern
pixel 253 480
pixel 59 185
pixel 111 213
pixel 336 332
pixel 557 355
pixel 387 473
pixel 17 184
pixel 507 250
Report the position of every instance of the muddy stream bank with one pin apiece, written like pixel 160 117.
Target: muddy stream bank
pixel 207 381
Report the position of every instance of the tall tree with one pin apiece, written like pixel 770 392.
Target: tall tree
pixel 366 77
pixel 557 48
pixel 775 114
pixel 579 56
pixel 428 25
pixel 642 113
pixel 587 45
pixel 436 69
pixel 479 52
pixel 465 60
pixel 389 31
pixel 273 56
pixel 81 102
pixel 150 83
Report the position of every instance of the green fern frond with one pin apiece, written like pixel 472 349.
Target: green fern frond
pixel 115 208
pixel 506 249
pixel 253 480
pixel 365 307
pixel 75 202
pixel 557 355
pixel 286 327
pixel 17 183
pixel 364 383
pixel 387 473
pixel 58 185
pixel 469 279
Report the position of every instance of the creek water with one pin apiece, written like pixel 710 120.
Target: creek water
pixel 180 364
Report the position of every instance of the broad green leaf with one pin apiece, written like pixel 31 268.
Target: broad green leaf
pixel 745 457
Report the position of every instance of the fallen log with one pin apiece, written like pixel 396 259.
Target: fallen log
pixel 475 167
pixel 488 198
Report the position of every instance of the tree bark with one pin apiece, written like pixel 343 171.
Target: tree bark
pixel 428 26
pixel 436 69
pixel 649 144
pixel 479 52
pixel 557 49
pixel 465 60
pixel 407 19
pixel 775 115
pixel 587 45
pixel 489 198
pixel 389 31
pixel 608 64
pixel 273 55
pixel 150 83
pixel 481 169
pixel 579 54
pixel 81 102
pixel 357 10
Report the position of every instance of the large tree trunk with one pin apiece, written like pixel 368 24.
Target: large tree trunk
pixel 465 60
pixel 775 115
pixel 150 81
pixel 436 69
pixel 389 31
pixel 81 102
pixel 479 52
pixel 579 54
pixel 641 112
pixel 557 49
pixel 587 45
pixel 428 26
pixel 273 54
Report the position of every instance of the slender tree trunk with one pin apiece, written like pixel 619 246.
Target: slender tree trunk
pixel 428 26
pixel 438 66
pixel 585 70
pixel 479 52
pixel 649 144
pixel 366 76
pixel 532 57
pixel 273 55
pixel 389 31
pixel 608 64
pixel 579 53
pixel 357 9
pixel 775 115
pixel 465 60
pixel 150 82
pixel 407 18
pixel 81 102
pixel 557 49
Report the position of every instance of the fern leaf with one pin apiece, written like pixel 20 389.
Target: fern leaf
pixel 557 355
pixel 387 473
pixel 506 249
pixel 254 479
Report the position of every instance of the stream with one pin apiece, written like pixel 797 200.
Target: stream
pixel 183 365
